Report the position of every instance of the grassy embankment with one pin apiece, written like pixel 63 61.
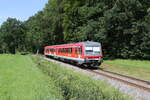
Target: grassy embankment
pixel 135 68
pixel 76 86
pixel 20 79
pixel 31 78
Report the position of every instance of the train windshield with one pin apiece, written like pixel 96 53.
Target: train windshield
pixel 92 50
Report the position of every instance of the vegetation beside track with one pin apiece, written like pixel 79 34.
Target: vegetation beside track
pixel 135 68
pixel 32 78
pixel 76 86
pixel 20 79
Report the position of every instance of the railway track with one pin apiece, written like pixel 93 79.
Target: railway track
pixel 134 82
pixel 138 83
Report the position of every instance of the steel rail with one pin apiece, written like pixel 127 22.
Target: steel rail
pixel 129 77
pixel 122 80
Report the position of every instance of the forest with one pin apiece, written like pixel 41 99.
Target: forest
pixel 122 26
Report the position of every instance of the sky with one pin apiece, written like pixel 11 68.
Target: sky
pixel 20 9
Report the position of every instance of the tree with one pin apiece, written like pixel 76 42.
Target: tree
pixel 12 36
pixel 126 29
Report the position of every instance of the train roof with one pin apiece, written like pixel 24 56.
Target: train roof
pixel 87 43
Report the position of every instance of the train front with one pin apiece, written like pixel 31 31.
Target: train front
pixel 92 54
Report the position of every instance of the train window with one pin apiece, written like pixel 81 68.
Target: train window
pixel 63 50
pixel 52 50
pixel 76 50
pixel 60 50
pixel 89 49
pixel 92 50
pixel 80 50
pixel 70 50
pixel 67 50
pixel 96 49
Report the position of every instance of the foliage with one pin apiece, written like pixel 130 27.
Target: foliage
pixel 12 36
pixel 127 30
pixel 122 26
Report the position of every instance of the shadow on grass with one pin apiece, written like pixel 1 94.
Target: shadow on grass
pixel 109 58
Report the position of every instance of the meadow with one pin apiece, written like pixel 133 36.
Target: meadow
pixel 135 68
pixel 32 78
pixel 20 79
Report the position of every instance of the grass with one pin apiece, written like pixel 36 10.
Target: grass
pixel 135 68
pixel 76 86
pixel 20 79
pixel 32 78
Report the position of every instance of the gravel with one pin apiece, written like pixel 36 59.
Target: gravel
pixel 126 79
pixel 135 93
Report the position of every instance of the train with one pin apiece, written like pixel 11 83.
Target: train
pixel 87 54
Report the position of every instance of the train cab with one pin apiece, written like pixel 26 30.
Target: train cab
pixel 92 53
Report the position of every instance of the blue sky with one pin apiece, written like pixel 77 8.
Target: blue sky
pixel 20 9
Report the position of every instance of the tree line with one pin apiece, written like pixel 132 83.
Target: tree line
pixel 122 26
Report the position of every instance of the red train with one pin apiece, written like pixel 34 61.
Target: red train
pixel 83 53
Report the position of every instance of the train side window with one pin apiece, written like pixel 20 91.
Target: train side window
pixel 80 50
pixel 59 50
pixel 62 50
pixel 76 50
pixel 70 50
pixel 67 50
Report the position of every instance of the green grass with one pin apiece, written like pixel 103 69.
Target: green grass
pixel 31 78
pixel 135 68
pixel 76 86
pixel 20 79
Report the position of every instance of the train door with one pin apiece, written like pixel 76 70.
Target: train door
pixel 79 52
pixel 76 53
pixel 54 51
